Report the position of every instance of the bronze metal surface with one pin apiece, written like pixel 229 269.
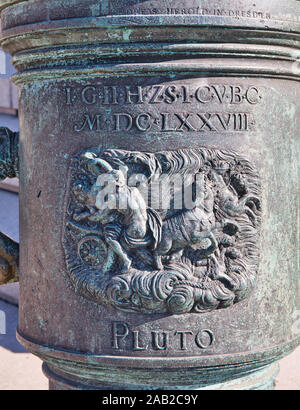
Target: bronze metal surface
pixel 157 87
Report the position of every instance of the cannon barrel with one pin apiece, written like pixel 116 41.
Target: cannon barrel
pixel 180 89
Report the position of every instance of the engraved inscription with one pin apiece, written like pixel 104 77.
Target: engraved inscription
pixel 159 340
pixel 167 122
pixel 172 231
pixel 184 9
pixel 157 94
pixel 190 117
pixel 202 12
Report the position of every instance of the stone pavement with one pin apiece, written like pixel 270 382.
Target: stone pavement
pixel 19 370
pixel 289 375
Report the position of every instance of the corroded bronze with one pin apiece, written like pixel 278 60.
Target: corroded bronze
pixel 117 98
pixel 9 168
pixel 151 248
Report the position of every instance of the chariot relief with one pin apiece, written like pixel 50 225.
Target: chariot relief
pixel 166 232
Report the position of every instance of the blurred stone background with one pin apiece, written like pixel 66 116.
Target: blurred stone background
pixel 20 370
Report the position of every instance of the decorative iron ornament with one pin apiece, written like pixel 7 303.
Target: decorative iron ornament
pixel 173 231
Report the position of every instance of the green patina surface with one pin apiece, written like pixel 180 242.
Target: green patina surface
pixel 103 46
pixel 6 3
